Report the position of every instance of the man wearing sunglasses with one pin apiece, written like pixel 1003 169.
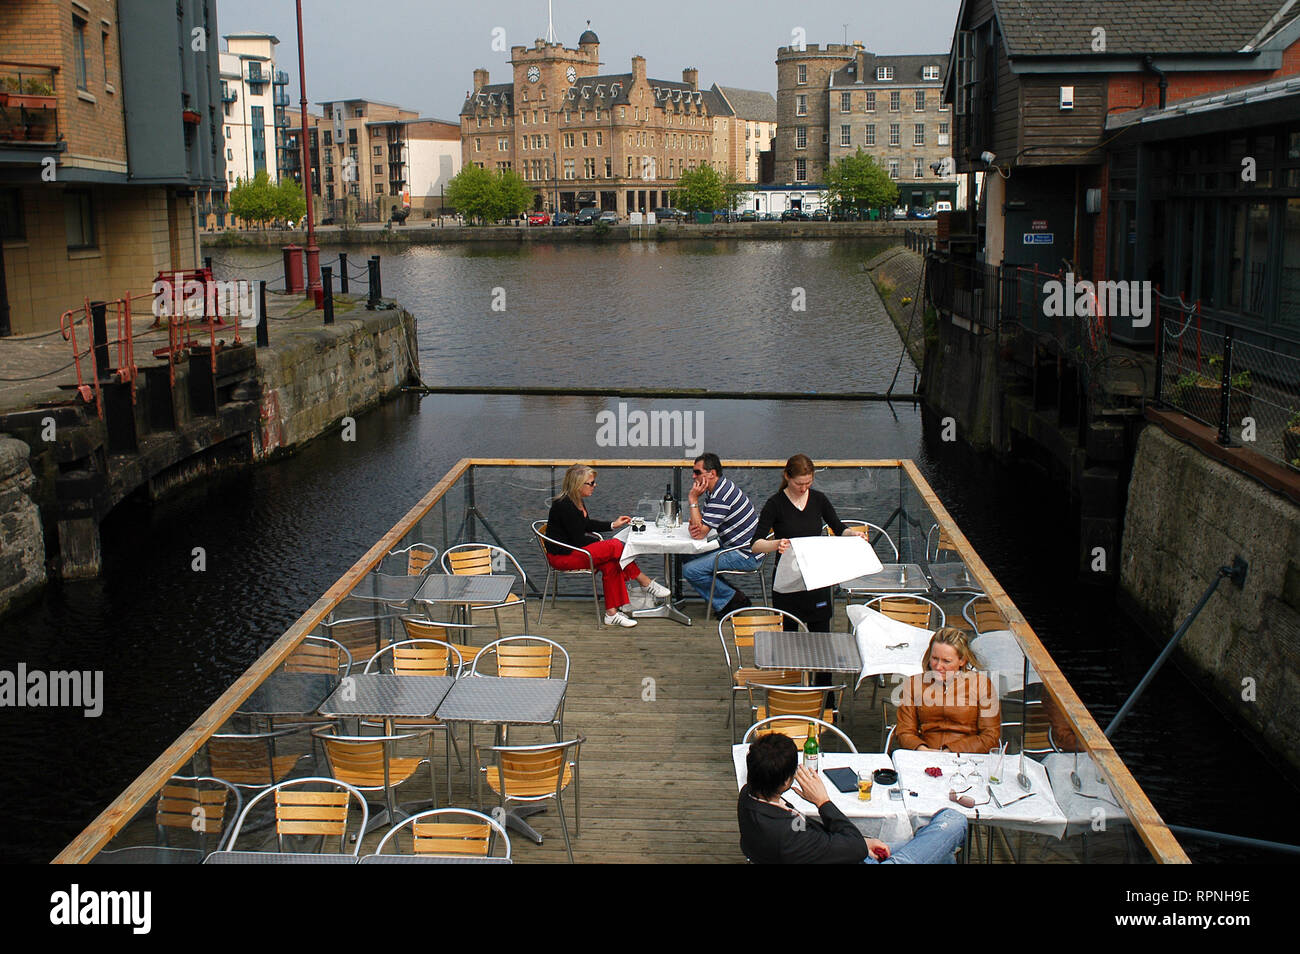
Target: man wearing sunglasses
pixel 718 504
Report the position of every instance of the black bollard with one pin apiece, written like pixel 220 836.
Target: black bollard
pixel 207 263
pixel 262 339
pixel 372 298
pixel 327 289
pixel 343 272
pixel 99 337
pixel 379 278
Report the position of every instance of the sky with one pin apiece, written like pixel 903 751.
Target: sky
pixel 421 54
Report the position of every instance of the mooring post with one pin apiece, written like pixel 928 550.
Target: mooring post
pixel 262 339
pixel 343 272
pixel 372 268
pixel 99 331
pixel 327 292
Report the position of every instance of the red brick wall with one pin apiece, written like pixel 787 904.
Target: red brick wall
pixel 1126 89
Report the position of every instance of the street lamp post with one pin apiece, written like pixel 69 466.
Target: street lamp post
pixel 313 252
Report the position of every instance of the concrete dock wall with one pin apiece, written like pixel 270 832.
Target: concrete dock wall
pixel 1187 516
pixel 22 544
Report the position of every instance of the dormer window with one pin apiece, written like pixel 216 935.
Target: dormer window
pixel 884 74
pixel 930 73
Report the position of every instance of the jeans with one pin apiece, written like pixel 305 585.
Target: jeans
pixel 932 845
pixel 699 573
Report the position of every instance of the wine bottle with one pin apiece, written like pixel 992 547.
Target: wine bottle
pixel 811 750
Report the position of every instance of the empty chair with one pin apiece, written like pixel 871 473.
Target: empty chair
pixel 423 657
pixel 767 701
pixel 736 633
pixel 319 654
pixel 254 760
pixel 539 530
pixel 534 773
pixel 418 559
pixel 938 542
pixel 197 804
pixel 982 615
pixel 915 611
pixel 796 728
pixel 875 536
pixel 527 657
pixel 310 806
pixel 418 627
pixel 448 832
pixel 360 635
pixel 480 559
pixel 369 764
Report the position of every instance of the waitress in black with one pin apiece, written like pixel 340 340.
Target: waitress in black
pixel 796 510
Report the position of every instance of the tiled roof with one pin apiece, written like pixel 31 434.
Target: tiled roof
pixel 907 69
pixel 496 96
pixel 752 104
pixel 1065 27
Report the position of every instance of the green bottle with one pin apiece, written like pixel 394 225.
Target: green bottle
pixel 811 750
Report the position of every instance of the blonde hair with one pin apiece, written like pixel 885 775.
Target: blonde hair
pixel 800 465
pixel 574 478
pixel 958 640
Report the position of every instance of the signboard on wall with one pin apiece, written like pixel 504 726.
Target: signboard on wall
pixel 1040 238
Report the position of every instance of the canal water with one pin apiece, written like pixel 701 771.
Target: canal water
pixel 171 638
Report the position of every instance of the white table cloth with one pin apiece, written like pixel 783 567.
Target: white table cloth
pixel 880 644
pixel 814 562
pixel 999 654
pixel 1081 810
pixel 660 541
pixel 881 817
pixel 1038 813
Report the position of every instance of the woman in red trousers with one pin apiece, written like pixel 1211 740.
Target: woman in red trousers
pixel 570 523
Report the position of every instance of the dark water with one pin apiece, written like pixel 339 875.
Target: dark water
pixel 171 639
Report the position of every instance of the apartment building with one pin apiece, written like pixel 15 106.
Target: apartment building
pixel 354 156
pixel 421 157
pixel 108 137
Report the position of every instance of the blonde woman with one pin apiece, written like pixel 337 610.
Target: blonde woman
pixel 950 707
pixel 570 523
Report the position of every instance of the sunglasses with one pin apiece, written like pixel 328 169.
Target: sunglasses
pixel 590 483
pixel 698 473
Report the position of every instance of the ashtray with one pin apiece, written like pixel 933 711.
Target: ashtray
pixel 884 776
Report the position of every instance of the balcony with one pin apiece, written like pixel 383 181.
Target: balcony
pixel 29 113
pixel 228 95
pixel 280 97
pixel 281 78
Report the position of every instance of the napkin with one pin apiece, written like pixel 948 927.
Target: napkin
pixel 815 562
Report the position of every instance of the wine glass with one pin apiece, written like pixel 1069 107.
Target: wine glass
pixel 959 780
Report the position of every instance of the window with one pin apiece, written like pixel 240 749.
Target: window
pixel 629 167
pixel 103 49
pixel 622 112
pixel 568 140
pixel 893 168
pixel 803 74
pixel 379 170
pixel 801 105
pixel 920 100
pixel 503 144
pixel 895 101
pixel 918 168
pixel 379 151
pixel 918 137
pixel 600 138
pixel 230 154
pixel 478 145
pixel 846 136
pixel 846 102
pixel 884 74
pixel 79 50
pixel 569 165
pixel 801 137
pixel 871 100
pixel 894 134
pixel 801 170
pixel 930 73
pixel 584 139
pixel 227 132
pixel 79 219
pixel 609 168
pixel 11 215
pixel 589 168
pixel 871 134
pixel 352 134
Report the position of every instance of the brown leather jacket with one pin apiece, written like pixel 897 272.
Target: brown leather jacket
pixel 960 716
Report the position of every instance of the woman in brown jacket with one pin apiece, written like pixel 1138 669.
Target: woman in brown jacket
pixel 951 707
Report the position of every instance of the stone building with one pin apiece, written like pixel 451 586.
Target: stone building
pixel 354 157
pixel 618 141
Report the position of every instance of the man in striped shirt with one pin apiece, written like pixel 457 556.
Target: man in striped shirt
pixel 716 503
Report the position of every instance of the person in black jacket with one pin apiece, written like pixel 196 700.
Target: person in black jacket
pixel 571 525
pixel 772 831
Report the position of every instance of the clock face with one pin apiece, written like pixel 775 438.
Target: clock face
pixel 534 74
pixel 571 73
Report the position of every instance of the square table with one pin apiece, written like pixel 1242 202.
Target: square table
pixel 290 693
pixel 1038 813
pixel 667 541
pixel 277 858
pixel 881 817
pixel 1081 807
pixel 486 589
pixel 433 860
pixel 887 646
pixel 501 701
pixel 953 578
pixel 386 588
pixel 892 578
pixel 813 652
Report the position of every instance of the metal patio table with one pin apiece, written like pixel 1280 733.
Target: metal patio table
pixel 892 578
pixel 953 578
pixel 465 590
pixel 289 693
pixel 277 858
pixel 387 589
pixel 499 701
pixel 812 652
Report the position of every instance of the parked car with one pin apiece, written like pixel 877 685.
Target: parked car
pixel 794 215
pixel 771 216
pixel 539 218
pixel 943 206
pixel 561 218
pixel 669 215
pixel 916 212
pixel 588 215
pixel 900 212
pixel 609 218
pixel 749 215
pixel 821 215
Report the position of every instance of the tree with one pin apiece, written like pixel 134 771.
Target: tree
pixel 859 182
pixel 700 188
pixel 483 197
pixel 254 201
pixel 732 189
pixel 290 204
pixel 516 195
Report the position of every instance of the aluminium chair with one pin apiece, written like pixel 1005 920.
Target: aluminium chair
pixel 481 559
pixel 188 812
pixel 914 610
pixel 533 774
pixel 982 615
pixel 253 760
pixel 418 558
pixel 741 625
pixel 539 530
pixel 713 581
pixel 804 701
pixel 301 812
pixel 527 657
pixel 367 763
pixel 796 728
pixel 422 657
pixel 448 833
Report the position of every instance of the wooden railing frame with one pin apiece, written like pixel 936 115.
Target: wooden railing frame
pixel 1151 828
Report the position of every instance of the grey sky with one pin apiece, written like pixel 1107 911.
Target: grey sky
pixel 421 54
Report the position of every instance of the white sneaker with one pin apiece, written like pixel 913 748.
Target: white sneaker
pixel 658 590
pixel 619 619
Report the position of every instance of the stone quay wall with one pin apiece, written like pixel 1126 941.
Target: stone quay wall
pixel 22 544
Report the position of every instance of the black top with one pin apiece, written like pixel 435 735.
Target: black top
pixel 770 835
pixel 567 524
pixel 786 520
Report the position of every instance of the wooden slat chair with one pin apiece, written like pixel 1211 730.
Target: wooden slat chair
pixel 476 559
pixel 436 833
pixel 319 654
pixel 875 535
pixel 983 616
pixel 252 760
pixel 539 530
pixel 793 701
pixel 796 728
pixel 196 804
pixel 526 657
pixel 913 610
pixel 937 541
pixel 361 636
pixel 534 773
pixel 736 632
pixel 418 627
pixel 367 762
pixel 301 811
pixel 422 657
pixel 418 558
